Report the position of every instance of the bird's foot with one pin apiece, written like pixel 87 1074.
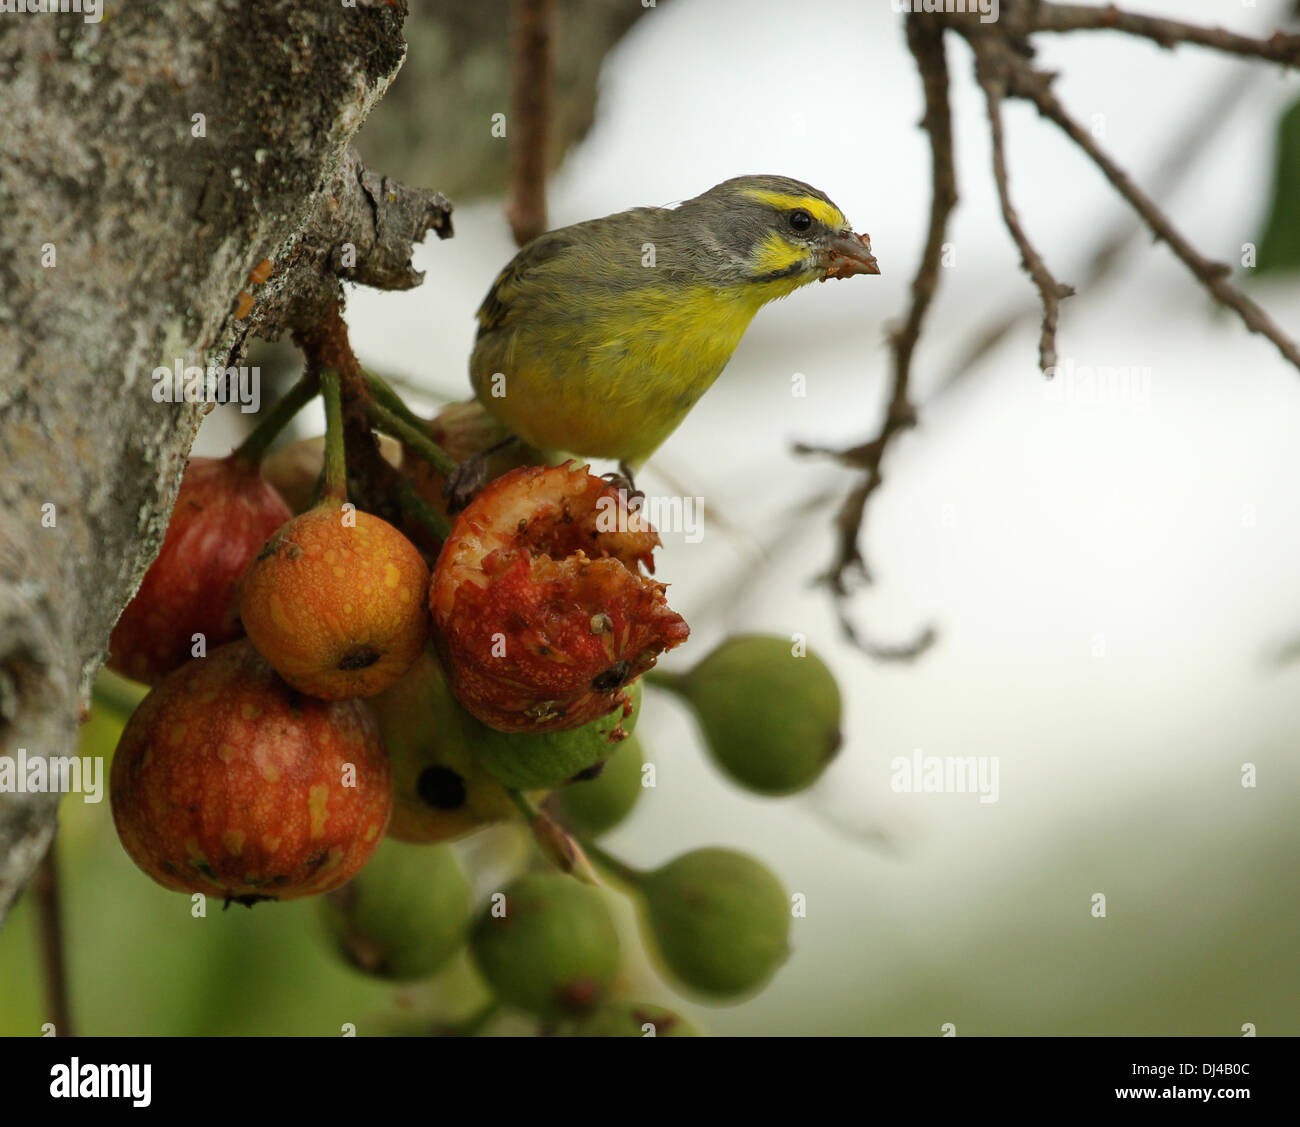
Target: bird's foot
pixel 470 476
pixel 465 482
pixel 622 479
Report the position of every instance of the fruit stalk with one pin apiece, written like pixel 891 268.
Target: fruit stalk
pixel 276 419
pixel 416 508
pixel 416 440
pixel 560 848
pixel 622 871
pixel 669 682
pixel 382 393
pixel 334 483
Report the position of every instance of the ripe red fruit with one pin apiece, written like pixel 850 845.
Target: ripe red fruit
pixel 542 611
pixel 228 782
pixel 336 603
pixel 224 512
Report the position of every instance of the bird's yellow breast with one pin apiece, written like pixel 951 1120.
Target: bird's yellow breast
pixel 613 379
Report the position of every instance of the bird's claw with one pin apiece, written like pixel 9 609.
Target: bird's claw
pixel 465 482
pixel 622 480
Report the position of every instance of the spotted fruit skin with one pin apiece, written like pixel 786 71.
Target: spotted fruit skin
pixel 228 782
pixel 544 616
pixel 223 515
pixel 335 602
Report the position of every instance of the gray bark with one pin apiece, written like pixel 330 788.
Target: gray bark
pixel 155 232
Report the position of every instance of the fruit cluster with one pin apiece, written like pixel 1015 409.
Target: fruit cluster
pixel 335 699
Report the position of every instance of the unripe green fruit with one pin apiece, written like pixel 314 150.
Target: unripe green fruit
pixel 630 1019
pixel 534 761
pixel 771 720
pixel 720 920
pixel 593 806
pixel 554 951
pixel 404 915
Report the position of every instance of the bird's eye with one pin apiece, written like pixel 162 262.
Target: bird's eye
pixel 800 220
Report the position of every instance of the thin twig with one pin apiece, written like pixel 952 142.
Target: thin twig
pixel 988 72
pixel 49 925
pixel 1180 154
pixel 529 129
pixel 1278 48
pixel 1035 86
pixel 925 41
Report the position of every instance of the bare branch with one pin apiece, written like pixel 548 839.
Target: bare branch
pixel 1036 87
pixel 1278 48
pixel 989 73
pixel 925 41
pixel 1181 152
pixel 49 927
pixel 530 125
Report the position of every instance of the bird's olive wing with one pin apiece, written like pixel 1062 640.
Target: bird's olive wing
pixel 496 308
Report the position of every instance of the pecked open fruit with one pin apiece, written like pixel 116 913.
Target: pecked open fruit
pixel 228 782
pixel 544 615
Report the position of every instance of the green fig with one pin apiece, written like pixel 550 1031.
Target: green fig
pixel 440 792
pixel 632 1019
pixel 535 761
pixel 404 915
pixel 719 919
pixel 547 945
pixel 591 806
pixel 771 720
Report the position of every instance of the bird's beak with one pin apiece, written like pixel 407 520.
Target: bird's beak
pixel 851 254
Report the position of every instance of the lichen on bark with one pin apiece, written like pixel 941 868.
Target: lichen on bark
pixel 129 228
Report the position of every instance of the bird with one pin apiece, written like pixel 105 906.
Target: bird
pixel 597 339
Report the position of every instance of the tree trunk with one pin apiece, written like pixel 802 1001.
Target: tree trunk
pixel 129 226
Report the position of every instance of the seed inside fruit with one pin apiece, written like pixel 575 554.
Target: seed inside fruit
pixel 612 678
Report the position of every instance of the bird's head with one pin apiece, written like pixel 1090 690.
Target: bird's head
pixel 779 233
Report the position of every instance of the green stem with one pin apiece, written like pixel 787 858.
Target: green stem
pixel 252 449
pixel 527 807
pixel 416 508
pixel 671 682
pixel 556 843
pixel 415 438
pixel 620 869
pixel 115 695
pixel 381 391
pixel 335 481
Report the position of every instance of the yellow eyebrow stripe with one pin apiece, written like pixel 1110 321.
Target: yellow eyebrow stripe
pixel 818 209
